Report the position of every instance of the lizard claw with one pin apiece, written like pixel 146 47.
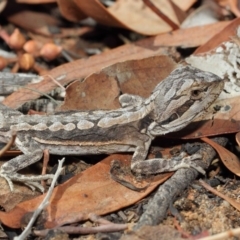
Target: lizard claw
pixel 31 182
pixel 9 181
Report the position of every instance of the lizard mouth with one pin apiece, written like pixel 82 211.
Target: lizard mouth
pixel 177 113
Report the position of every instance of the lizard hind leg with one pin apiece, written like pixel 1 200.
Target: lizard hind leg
pixel 160 165
pixel 9 170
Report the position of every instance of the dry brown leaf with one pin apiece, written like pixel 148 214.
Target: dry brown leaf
pixel 190 37
pixel 78 69
pixel 90 191
pixel 232 4
pixel 222 36
pixel 184 5
pixel 134 15
pixel 34 21
pixel 99 92
pixel 230 160
pixel 234 203
pixel 140 18
pixel 70 11
pixel 134 77
pixel 8 200
pixel 66 73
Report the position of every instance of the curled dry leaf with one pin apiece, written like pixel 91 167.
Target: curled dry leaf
pixel 230 160
pixel 133 15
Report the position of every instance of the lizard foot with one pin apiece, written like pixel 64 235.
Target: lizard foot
pixel 188 162
pixel 32 182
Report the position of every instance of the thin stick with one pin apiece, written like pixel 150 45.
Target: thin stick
pixel 8 145
pixel 55 81
pixel 45 163
pixel 44 203
pixel 161 14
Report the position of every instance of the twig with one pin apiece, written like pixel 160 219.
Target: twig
pixel 8 145
pixel 225 235
pixel 106 226
pixel 166 193
pixel 45 163
pixel 44 203
pixel 55 81
pixel 161 14
pixel 112 227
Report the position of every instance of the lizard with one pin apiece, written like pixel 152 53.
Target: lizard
pixel 174 103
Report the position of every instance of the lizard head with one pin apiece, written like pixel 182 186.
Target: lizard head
pixel 185 94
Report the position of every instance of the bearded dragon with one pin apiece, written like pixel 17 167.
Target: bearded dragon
pixel 174 103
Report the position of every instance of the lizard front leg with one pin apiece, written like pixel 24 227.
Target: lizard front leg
pixel 9 170
pixel 159 165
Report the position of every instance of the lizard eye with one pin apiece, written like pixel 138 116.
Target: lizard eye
pixel 196 94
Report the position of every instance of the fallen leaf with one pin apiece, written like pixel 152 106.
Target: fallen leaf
pixel 133 15
pixel 70 10
pixel 137 77
pixel 230 160
pixel 98 91
pixel 222 36
pixel 35 21
pixel 153 46
pixel 90 191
